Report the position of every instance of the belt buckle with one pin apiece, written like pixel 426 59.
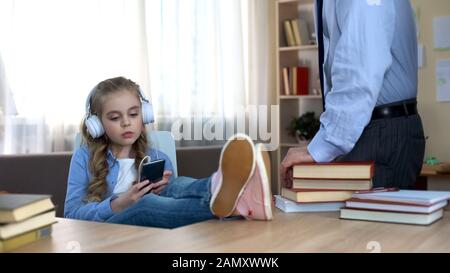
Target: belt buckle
pixel 405 107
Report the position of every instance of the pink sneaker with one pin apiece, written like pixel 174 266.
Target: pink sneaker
pixel 256 201
pixel 236 167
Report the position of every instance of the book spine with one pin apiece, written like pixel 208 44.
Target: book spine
pixel 287 91
pixel 294 80
pixel 25 239
pixel 302 81
pixel 296 32
pixel 288 33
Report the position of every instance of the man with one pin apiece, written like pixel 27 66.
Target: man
pixel 368 49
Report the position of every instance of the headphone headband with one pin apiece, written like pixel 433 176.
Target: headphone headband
pixel 94 125
pixel 92 92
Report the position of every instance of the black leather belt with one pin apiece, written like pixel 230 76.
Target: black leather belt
pixel 395 110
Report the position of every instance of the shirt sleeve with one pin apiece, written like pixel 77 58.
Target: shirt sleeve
pixel 78 181
pixel 360 60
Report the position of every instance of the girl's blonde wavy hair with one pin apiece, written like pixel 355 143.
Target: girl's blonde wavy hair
pixel 98 147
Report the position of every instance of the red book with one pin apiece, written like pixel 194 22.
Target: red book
pixel 335 170
pixel 302 81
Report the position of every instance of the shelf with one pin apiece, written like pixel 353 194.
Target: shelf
pixel 297 48
pixel 296 1
pixel 308 97
pixel 292 145
pixel 197 147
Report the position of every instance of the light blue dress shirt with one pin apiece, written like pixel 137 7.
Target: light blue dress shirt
pixel 370 59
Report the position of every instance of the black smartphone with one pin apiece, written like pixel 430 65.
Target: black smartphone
pixel 153 171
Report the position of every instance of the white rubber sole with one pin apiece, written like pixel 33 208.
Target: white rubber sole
pixel 217 209
pixel 267 199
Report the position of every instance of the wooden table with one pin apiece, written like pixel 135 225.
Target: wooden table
pixel 313 232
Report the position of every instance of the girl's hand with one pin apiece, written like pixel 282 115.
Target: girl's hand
pixel 161 185
pixel 130 197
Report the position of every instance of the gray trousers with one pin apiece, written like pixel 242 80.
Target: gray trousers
pixel 397 145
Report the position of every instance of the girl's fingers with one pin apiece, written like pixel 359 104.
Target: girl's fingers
pixel 160 183
pixel 142 184
pixel 145 190
pixel 159 189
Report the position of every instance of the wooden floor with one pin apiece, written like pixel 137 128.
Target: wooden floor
pixel 313 232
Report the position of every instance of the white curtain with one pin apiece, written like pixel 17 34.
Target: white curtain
pixel 260 47
pixel 209 60
pixel 55 51
pixel 260 65
pixel 196 58
pixel 7 105
pixel 192 57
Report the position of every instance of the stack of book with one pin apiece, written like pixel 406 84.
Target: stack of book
pixel 24 218
pixel 404 207
pixel 334 183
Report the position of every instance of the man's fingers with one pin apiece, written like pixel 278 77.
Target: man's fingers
pixel 282 172
pixel 289 178
pixel 293 157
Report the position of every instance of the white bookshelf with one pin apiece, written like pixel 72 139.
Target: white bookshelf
pixel 287 56
pixel 298 48
pixel 308 97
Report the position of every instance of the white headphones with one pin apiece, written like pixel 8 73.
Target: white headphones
pixel 94 125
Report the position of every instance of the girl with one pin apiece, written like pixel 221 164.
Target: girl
pixel 102 182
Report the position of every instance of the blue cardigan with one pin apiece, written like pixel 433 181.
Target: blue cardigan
pixel 78 181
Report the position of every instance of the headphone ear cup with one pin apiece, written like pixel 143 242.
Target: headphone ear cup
pixel 147 113
pixel 94 126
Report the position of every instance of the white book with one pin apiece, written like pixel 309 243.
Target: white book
pixel 301 27
pixel 425 198
pixel 360 204
pixel 287 89
pixel 293 80
pixel 391 217
pixel 296 32
pixel 290 40
pixel 287 205
pixel 35 222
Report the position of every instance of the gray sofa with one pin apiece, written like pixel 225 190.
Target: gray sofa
pixel 47 173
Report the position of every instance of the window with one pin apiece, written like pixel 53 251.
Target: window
pixel 190 57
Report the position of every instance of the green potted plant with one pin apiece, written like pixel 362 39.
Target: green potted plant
pixel 305 127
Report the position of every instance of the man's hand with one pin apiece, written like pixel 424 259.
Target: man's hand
pixel 293 157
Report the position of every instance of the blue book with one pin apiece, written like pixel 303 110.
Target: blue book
pixel 424 198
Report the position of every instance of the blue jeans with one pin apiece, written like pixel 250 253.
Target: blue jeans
pixel 184 201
